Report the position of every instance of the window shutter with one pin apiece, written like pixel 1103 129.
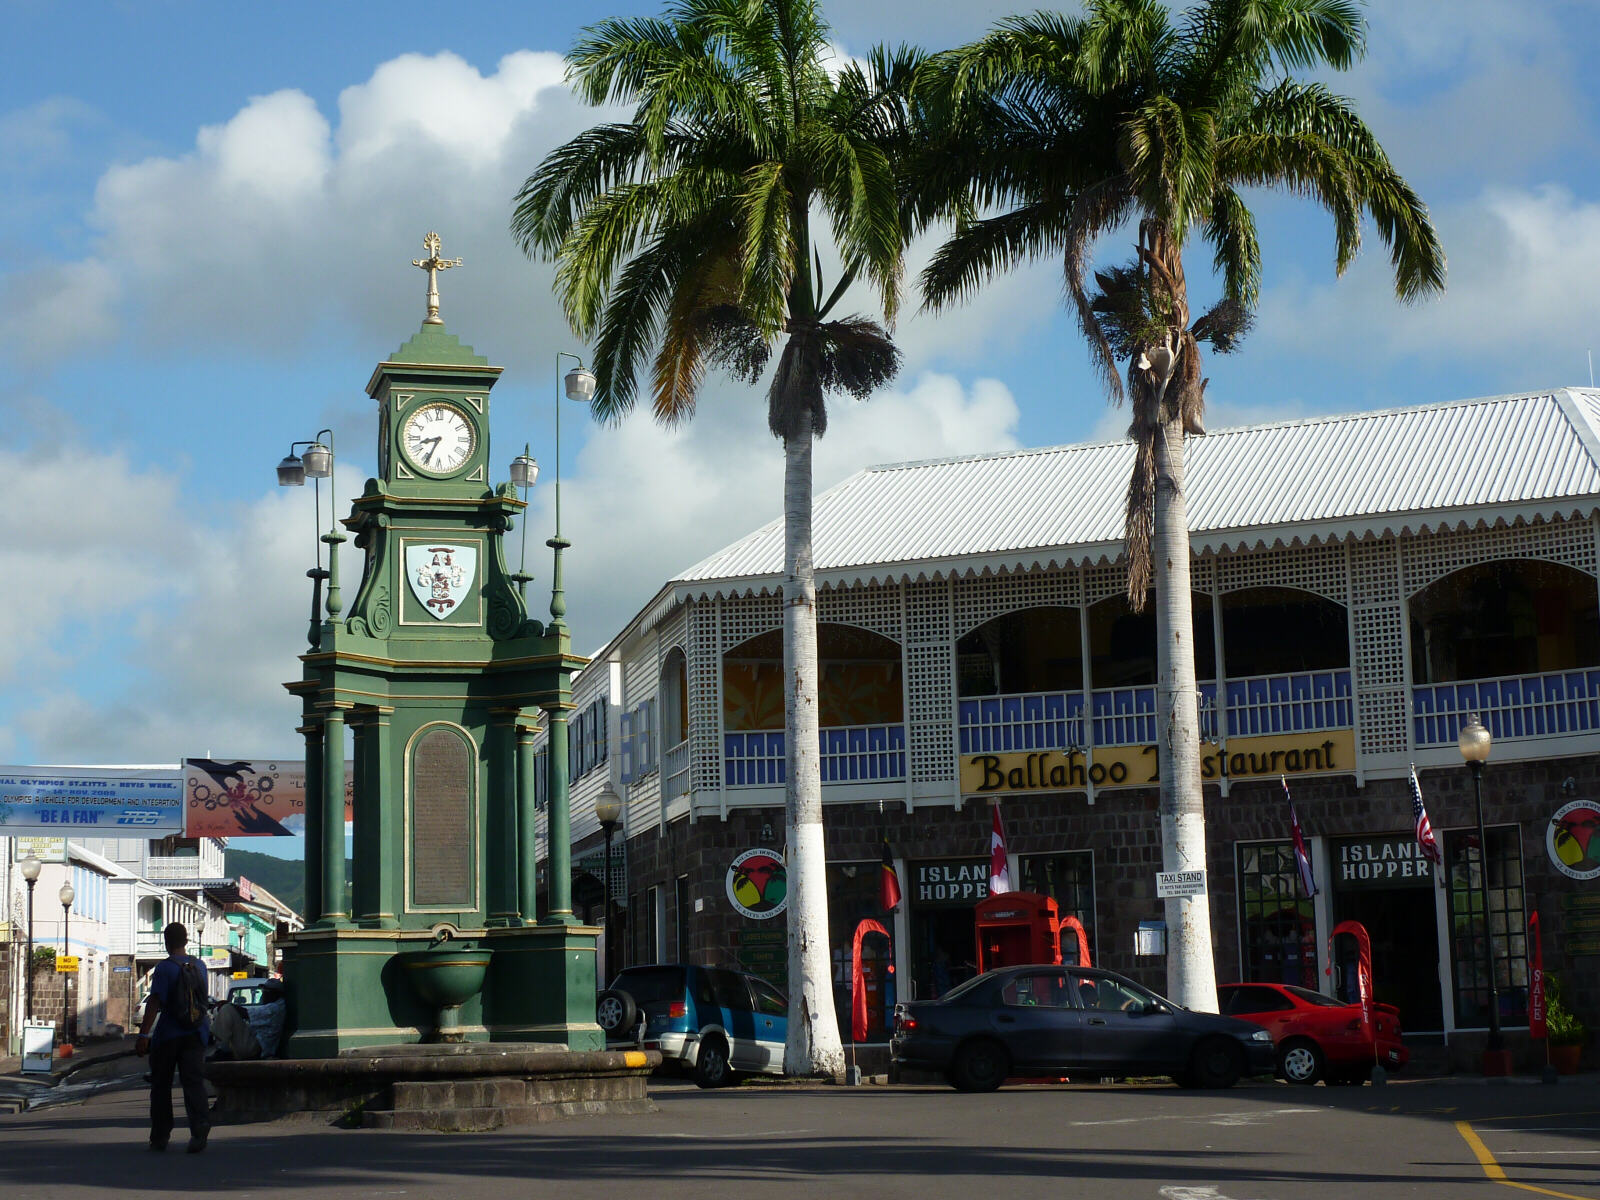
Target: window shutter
pixel 625 771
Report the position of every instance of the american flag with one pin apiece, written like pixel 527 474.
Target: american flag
pixel 1425 838
pixel 1302 860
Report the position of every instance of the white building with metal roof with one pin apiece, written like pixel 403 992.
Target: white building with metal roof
pixel 1363 582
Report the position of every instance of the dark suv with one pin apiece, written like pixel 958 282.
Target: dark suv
pixel 711 1021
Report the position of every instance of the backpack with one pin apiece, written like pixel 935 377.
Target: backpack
pixel 186 999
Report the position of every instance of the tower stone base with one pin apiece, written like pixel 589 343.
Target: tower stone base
pixel 346 990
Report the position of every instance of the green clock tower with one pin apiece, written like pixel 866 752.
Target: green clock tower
pixel 441 677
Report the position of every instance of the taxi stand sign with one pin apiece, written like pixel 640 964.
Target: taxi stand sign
pixel 1173 884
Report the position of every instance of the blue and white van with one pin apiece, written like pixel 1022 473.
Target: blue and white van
pixel 711 1021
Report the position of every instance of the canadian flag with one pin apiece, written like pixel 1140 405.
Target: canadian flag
pixel 999 873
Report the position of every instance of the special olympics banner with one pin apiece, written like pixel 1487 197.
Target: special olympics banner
pixel 91 801
pixel 248 797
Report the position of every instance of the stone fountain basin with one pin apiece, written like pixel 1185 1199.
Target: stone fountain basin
pixel 444 977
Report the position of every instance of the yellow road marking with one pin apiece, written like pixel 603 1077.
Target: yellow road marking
pixel 633 1058
pixel 1495 1172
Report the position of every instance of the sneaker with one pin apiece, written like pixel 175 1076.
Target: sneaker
pixel 197 1144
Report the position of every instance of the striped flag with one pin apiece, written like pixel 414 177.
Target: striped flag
pixel 1302 859
pixel 888 882
pixel 1425 838
pixel 999 872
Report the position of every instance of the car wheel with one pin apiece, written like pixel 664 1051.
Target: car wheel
pixel 1300 1061
pixel 1217 1063
pixel 711 1067
pixel 615 1012
pixel 980 1066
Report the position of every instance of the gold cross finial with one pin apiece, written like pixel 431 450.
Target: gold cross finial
pixel 433 264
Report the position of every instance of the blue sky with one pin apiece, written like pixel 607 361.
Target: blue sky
pixel 210 212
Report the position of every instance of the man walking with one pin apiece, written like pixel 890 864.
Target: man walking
pixel 177 1009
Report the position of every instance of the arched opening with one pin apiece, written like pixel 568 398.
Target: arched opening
pixel 1492 620
pixel 1122 643
pixel 1031 650
pixel 858 680
pixel 1282 631
pixel 674 693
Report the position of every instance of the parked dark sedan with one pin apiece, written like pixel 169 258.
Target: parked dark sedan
pixel 1055 1020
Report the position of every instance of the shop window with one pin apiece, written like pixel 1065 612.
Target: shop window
pixel 1504 618
pixel 858 677
pixel 853 897
pixel 1034 650
pixel 1507 943
pixel 1122 643
pixel 1068 879
pixel 674 693
pixel 1282 631
pixel 1278 927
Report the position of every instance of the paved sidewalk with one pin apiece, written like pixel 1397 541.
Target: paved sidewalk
pixel 82 1056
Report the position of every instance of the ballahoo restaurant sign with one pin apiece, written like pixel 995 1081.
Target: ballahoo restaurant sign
pixel 1324 752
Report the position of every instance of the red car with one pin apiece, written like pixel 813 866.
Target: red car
pixel 1317 1036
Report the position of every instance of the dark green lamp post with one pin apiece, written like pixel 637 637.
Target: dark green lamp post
pixel 608 811
pixel 30 876
pixel 1475 742
pixel 69 1018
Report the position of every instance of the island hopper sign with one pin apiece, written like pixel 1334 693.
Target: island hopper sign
pixel 1324 752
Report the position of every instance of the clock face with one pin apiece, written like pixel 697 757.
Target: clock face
pixel 438 438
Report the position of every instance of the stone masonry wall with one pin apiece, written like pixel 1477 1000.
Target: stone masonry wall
pixel 1121 829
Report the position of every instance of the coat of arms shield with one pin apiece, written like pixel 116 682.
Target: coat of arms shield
pixel 440 575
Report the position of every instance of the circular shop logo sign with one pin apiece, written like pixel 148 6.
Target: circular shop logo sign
pixel 758 885
pixel 1573 839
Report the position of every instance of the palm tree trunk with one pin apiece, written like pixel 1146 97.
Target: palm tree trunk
pixel 1191 970
pixel 813 1046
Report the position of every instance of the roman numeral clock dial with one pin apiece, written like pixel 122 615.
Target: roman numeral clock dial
pixel 438 439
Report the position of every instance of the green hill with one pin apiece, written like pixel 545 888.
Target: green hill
pixel 283 877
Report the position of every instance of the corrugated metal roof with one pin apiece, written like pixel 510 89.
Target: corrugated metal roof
pixel 1502 458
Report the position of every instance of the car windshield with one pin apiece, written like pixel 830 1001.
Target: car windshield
pixel 1311 997
pixel 652 985
pixel 246 995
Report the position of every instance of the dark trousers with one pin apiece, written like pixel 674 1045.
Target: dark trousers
pixel 187 1055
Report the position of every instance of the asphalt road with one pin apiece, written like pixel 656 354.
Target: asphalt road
pixel 1254 1142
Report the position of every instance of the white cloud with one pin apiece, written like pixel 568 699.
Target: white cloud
pixel 145 637
pixel 207 624
pixel 646 502
pixel 279 223
pixel 1522 287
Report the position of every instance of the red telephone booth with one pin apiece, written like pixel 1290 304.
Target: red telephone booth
pixel 1015 928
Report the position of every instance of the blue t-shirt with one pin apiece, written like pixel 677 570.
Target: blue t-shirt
pixel 162 980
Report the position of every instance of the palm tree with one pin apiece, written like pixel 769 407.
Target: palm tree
pixel 1059 129
pixel 686 233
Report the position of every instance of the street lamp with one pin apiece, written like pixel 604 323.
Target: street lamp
pixel 524 474
pixel 70 1019
pixel 30 875
pixel 579 385
pixel 1475 741
pixel 608 811
pixel 317 463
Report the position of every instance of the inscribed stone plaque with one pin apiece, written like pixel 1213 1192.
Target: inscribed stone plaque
pixel 442 821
